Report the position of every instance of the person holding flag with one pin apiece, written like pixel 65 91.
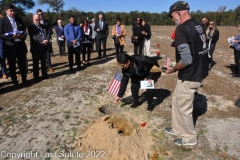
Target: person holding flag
pixel 137 68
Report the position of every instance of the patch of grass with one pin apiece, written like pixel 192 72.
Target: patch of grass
pixel 67 112
pixel 11 110
pixel 225 148
pixel 28 126
pixel 48 143
pixel 48 126
pixel 76 117
pixel 123 105
pixel 41 119
pixel 75 124
pixel 67 116
pixel 201 131
pixel 161 135
pixel 54 113
pixel 60 122
pixel 9 118
pixel 15 136
pixel 200 158
pixel 24 117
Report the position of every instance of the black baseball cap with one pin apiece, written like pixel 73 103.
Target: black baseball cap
pixel 178 6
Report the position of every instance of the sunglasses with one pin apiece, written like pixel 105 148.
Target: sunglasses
pixel 174 14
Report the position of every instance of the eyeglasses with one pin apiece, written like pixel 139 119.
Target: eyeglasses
pixel 40 14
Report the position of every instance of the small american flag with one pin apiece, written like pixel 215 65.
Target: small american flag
pixel 115 84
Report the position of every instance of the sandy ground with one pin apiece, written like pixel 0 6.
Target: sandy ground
pixel 59 118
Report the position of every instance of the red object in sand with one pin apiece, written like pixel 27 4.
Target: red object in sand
pixel 143 124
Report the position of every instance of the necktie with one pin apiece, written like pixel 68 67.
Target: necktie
pixel 100 25
pixel 41 32
pixel 14 27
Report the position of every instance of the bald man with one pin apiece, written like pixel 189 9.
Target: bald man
pixel 39 39
pixel 59 29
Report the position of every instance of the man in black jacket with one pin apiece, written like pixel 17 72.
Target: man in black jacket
pixel 192 67
pixel 14 45
pixel 137 68
pixel 50 49
pixel 39 39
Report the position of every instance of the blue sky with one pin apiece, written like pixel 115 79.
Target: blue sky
pixel 151 6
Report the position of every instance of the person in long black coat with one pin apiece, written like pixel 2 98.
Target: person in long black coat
pixel 137 68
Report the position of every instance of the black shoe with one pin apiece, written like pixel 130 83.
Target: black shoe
pixel 26 84
pixel 236 75
pixel 16 86
pixel 104 56
pixel 150 108
pixel 36 80
pixel 72 70
pixel 134 105
pixel 79 67
pixel 46 77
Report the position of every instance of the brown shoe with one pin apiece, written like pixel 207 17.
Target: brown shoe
pixel 4 76
pixel 50 70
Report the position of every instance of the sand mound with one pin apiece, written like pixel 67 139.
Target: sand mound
pixel 119 138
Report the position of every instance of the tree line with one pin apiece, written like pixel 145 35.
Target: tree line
pixel 222 17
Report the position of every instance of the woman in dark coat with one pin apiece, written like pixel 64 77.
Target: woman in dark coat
pixel 137 37
pixel 137 68
pixel 213 36
pixel 86 41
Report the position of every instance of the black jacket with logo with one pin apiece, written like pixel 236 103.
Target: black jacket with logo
pixel 191 32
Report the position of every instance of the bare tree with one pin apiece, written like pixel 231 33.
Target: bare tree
pixel 56 5
pixel 221 10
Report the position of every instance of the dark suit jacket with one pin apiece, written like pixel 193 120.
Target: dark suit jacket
pixel 35 37
pixel 102 33
pixel 5 27
pixel 59 31
pixel 48 25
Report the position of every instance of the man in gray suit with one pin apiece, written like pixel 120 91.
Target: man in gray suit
pixel 101 27
pixel 94 34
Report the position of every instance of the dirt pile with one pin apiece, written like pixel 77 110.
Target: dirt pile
pixel 117 137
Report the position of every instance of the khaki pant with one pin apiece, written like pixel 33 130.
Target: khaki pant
pixel 146 47
pixel 182 108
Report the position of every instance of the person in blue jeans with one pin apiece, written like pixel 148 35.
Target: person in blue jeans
pixel 236 46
